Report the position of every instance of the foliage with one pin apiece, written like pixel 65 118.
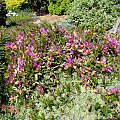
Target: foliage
pixel 2 12
pixel 37 5
pixel 40 59
pixel 94 13
pixel 19 17
pixel 59 7
pixel 14 4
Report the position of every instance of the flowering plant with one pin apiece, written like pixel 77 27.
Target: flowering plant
pixel 37 59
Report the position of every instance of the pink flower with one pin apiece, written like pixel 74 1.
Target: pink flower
pixel 69 59
pixel 20 36
pixel 10 80
pixel 20 64
pixel 102 61
pixel 52 48
pixel 97 90
pixel 107 69
pixel 35 64
pixel 79 60
pixel 43 31
pixel 40 89
pixel 104 48
pixel 11 45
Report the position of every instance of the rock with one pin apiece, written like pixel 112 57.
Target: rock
pixel 116 27
pixel 37 22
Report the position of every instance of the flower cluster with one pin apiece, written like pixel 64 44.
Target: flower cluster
pixel 49 50
pixel 115 90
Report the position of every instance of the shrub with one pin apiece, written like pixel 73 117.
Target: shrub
pixel 58 7
pixel 57 62
pixel 14 4
pixel 94 13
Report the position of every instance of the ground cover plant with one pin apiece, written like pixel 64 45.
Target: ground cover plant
pixel 57 73
pixel 57 67
pixel 98 14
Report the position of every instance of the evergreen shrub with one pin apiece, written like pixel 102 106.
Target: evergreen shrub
pixel 94 13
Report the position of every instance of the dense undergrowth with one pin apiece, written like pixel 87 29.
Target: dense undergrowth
pixel 50 69
pixel 94 13
pixel 56 73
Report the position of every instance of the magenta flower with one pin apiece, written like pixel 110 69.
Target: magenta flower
pixel 118 88
pixel 69 59
pixel 107 69
pixel 10 80
pixel 50 58
pixel 79 60
pixel 43 31
pixel 104 48
pixel 118 94
pixel 113 43
pixel 68 45
pixel 97 90
pixel 35 64
pixel 118 49
pixel 103 61
pixel 19 39
pixel 48 39
pixel 56 78
pixel 20 36
pixel 32 41
pixel 60 51
pixel 11 45
pixel 20 64
pixel 110 91
pixel 40 89
pixel 19 84
pixel 52 49
pixel 48 65
pixel 114 90
pixel 27 82
pixel 9 66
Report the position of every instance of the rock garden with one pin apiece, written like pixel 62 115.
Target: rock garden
pixel 60 60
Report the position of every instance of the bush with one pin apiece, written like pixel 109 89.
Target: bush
pixel 59 7
pixel 14 4
pixel 94 13
pixel 56 63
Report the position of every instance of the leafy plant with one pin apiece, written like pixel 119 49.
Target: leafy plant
pixel 14 4
pixel 94 13
pixel 58 7
pixel 48 66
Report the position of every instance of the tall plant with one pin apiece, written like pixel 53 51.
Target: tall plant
pixel 3 12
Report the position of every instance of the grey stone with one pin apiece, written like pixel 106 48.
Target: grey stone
pixel 37 22
pixel 116 27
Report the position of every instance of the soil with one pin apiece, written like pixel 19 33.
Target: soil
pixel 53 18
